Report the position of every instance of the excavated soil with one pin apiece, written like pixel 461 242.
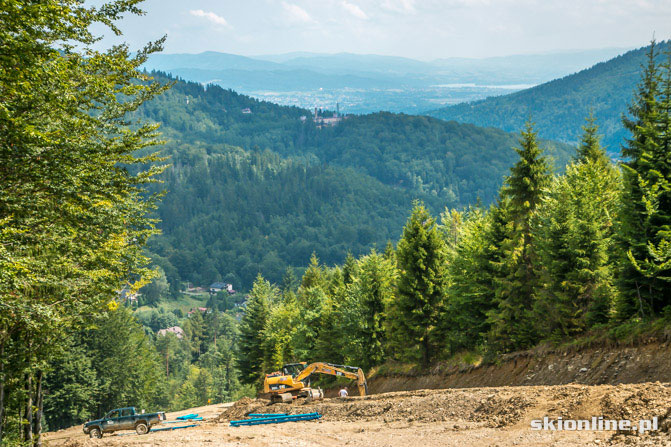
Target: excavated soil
pixel 648 362
pixel 498 416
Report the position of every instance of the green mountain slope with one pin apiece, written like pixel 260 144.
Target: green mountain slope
pixel 559 107
pixel 257 192
pixel 230 214
pixel 457 163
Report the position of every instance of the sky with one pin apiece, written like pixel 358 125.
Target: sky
pixel 419 29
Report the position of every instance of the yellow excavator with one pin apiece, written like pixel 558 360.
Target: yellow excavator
pixel 294 380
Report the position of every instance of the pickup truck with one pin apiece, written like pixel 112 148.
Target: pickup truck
pixel 123 419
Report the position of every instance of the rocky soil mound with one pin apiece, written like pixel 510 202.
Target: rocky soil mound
pixel 485 407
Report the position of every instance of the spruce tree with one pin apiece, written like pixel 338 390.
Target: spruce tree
pixel 470 293
pixel 369 294
pixel 390 252
pixel 331 336
pixel 289 281
pixel 512 325
pixel 590 144
pixel 645 216
pixel 310 298
pixel 349 268
pixel 573 238
pixel 252 325
pixel 422 286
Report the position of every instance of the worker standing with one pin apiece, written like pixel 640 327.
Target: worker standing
pixel 343 392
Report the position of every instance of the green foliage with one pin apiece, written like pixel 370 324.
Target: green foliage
pixel 573 237
pixel 512 325
pixel 157 290
pixel 254 320
pixel 311 299
pixel 279 333
pixel 644 221
pixel 72 384
pixel 274 213
pixel 220 360
pixel 470 293
pixel 127 365
pixel 73 199
pixel 195 390
pixel 422 256
pixel 371 292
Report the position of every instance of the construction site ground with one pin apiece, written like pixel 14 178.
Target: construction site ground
pixel 493 416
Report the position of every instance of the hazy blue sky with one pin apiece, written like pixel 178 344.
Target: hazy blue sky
pixel 423 29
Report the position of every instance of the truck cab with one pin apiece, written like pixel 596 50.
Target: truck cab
pixel 119 419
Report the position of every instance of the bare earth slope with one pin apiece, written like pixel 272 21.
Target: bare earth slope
pixel 649 362
pixel 497 416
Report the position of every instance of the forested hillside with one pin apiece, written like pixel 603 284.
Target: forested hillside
pixel 559 259
pixel 558 107
pixel 231 213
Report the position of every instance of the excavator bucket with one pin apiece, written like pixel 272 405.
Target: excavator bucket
pixel 314 394
pixel 281 398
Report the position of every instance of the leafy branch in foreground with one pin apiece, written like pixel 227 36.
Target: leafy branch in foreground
pixel 74 216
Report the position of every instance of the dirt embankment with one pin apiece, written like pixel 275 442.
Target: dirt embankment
pixel 593 366
pixel 491 407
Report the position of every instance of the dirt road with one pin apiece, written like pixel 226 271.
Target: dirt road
pixel 426 418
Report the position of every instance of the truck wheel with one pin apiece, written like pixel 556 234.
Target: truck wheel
pixel 96 433
pixel 141 428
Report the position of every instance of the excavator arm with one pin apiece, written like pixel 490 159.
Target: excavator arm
pixel 350 372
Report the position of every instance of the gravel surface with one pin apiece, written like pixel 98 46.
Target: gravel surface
pixel 497 416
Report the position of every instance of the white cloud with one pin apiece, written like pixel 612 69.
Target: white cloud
pixel 402 6
pixel 210 16
pixel 296 13
pixel 354 10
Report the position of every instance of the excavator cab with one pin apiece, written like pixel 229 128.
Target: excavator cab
pixel 293 369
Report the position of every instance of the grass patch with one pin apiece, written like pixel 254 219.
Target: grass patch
pixel 185 302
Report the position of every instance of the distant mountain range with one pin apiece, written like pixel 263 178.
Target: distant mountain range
pixel 370 83
pixel 495 70
pixel 559 107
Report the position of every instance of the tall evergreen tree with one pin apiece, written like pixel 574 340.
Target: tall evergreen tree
pixel 573 237
pixel 470 293
pixel 422 263
pixel 590 143
pixel 349 268
pixel 645 214
pixel 512 325
pixel 252 325
pixel 330 337
pixel 371 290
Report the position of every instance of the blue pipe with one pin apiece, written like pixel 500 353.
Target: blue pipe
pixel 276 419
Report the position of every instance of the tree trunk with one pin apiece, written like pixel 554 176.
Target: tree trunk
pixel 39 401
pixel 425 350
pixel 2 388
pixel 28 411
